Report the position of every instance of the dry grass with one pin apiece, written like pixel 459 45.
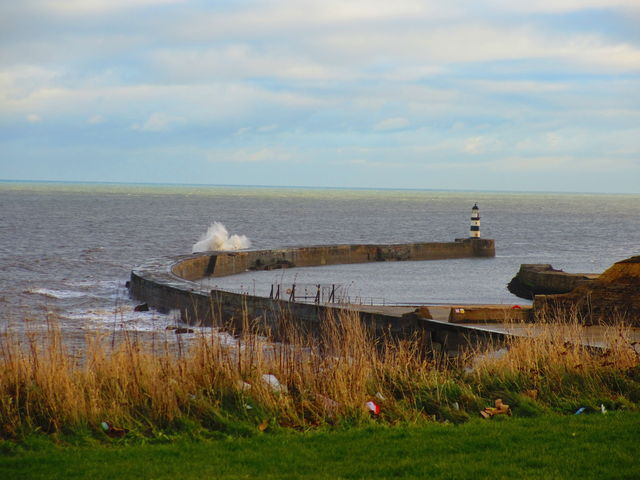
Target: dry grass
pixel 217 384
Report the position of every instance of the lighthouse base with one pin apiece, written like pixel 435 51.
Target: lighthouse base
pixel 481 247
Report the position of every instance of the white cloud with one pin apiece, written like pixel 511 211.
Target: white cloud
pixel 95 7
pixel 472 42
pixel 157 122
pixel 558 6
pixel 395 123
pixel 261 155
pixel 518 86
pixel 242 62
pixel 480 144
pixel 431 84
pixel 175 103
pixel 564 163
pixel 95 119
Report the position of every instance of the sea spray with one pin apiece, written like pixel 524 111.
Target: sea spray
pixel 217 238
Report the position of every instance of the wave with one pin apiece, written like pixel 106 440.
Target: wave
pixel 217 238
pixel 61 294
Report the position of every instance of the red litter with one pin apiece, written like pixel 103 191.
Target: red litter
pixel 373 408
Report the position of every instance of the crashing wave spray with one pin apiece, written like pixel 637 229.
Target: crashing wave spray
pixel 217 238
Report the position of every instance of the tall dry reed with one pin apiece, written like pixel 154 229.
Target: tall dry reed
pixel 217 381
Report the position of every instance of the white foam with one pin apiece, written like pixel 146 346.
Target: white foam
pixel 217 238
pixel 61 294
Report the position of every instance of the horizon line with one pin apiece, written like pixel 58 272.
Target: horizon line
pixel 309 187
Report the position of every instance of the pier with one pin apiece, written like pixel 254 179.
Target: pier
pixel 175 284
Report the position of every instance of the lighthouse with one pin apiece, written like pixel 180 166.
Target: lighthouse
pixel 474 230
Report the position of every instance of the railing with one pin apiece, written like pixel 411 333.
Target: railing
pixel 334 294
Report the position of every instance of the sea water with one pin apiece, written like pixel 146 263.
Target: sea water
pixel 67 249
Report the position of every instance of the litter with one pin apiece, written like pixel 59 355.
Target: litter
pixel 263 425
pixel 499 409
pixel 603 409
pixel 112 431
pixel 580 410
pixel 372 407
pixel 380 396
pixel 273 382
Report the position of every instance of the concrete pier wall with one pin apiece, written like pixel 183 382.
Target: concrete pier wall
pixel 220 264
pixel 172 284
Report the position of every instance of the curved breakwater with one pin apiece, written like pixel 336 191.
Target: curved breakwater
pixel 173 284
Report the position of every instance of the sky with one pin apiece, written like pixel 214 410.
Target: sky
pixel 463 94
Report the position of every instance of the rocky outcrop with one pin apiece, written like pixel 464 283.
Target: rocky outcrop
pixel 613 297
pixel 543 279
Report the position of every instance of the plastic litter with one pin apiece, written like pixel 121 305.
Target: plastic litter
pixel 112 431
pixel 372 407
pixel 603 409
pixel 499 409
pixel 380 396
pixel 580 410
pixel 456 406
pixel 273 382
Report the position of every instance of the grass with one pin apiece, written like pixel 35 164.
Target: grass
pixel 555 447
pixel 153 390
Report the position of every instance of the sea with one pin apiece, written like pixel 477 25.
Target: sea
pixel 67 249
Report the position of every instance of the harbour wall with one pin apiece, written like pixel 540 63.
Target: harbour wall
pixel 172 284
pixel 221 264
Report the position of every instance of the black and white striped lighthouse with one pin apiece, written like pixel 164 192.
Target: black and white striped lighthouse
pixel 474 230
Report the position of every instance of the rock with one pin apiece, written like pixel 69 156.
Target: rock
pixel 543 279
pixel 179 331
pixel 614 297
pixel 143 307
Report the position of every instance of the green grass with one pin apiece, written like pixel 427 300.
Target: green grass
pixel 551 446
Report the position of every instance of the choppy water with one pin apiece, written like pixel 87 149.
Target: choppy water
pixel 68 249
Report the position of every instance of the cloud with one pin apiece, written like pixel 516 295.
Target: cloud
pixel 95 119
pixel 395 123
pixel 157 122
pixel 480 144
pixel 241 62
pixel 430 84
pixel 558 6
pixel 262 155
pixel 97 7
pixel 553 165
